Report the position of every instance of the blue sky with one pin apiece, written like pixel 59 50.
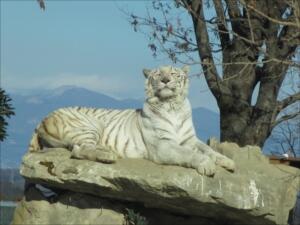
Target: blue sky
pixel 84 43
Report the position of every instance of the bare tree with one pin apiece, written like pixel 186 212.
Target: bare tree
pixel 241 44
pixel 287 135
pixel 285 138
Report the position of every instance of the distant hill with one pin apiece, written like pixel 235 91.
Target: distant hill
pixel 32 108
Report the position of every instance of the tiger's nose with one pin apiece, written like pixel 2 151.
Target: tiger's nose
pixel 165 80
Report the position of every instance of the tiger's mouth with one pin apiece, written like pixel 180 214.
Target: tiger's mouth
pixel 166 93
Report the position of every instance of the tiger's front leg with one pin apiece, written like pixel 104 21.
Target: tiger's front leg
pixel 171 153
pixel 217 157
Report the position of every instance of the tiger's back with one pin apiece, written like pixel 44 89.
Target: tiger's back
pixel 111 129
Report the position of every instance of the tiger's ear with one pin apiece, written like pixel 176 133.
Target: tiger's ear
pixel 185 69
pixel 146 72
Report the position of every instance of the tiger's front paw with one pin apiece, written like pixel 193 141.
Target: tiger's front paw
pixel 226 163
pixel 206 168
pixel 204 165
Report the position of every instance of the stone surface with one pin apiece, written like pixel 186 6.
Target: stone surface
pixel 68 208
pixel 257 193
pixel 77 208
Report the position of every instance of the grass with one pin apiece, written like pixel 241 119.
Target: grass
pixel 134 218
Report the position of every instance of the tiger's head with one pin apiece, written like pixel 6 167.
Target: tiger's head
pixel 166 83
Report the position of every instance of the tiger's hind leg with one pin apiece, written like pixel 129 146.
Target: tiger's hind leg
pixel 76 130
pixel 94 153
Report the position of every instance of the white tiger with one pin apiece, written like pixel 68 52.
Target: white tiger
pixel 162 131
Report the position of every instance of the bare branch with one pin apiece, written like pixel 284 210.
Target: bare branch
pixel 196 10
pixel 285 118
pixel 281 22
pixel 250 25
pixel 285 136
pixel 42 4
pixel 288 101
pixel 223 31
pixel 233 9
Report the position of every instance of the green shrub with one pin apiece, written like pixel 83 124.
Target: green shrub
pixel 133 218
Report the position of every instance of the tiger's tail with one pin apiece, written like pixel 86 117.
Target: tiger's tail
pixel 34 145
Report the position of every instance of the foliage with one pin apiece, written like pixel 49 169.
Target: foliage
pixel 6 110
pixel 133 218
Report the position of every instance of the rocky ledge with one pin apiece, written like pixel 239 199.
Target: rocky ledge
pixel 256 193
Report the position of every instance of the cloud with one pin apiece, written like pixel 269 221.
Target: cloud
pixel 34 100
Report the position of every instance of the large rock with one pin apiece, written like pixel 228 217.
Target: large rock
pixel 256 193
pixel 68 208
pixel 77 208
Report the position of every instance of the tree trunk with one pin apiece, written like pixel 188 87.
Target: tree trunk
pixel 243 129
pixel 240 121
